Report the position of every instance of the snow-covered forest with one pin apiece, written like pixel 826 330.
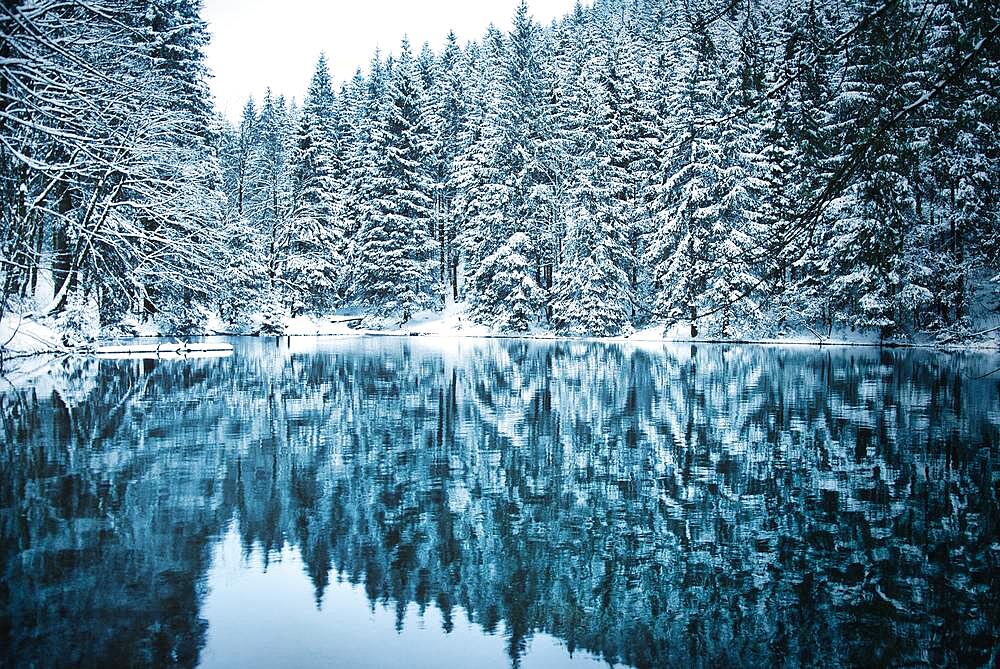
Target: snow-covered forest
pixel 736 168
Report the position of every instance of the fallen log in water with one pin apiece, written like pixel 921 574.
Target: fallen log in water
pixel 182 348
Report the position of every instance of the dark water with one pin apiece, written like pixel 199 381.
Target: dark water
pixel 401 502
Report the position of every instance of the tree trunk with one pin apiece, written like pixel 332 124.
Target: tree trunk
pixel 62 256
pixel 39 243
pixel 442 263
pixel 958 251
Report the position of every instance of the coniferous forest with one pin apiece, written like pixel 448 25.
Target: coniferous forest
pixel 736 168
pixel 715 171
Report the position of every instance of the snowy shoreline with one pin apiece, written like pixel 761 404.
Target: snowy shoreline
pixel 825 343
pixel 26 337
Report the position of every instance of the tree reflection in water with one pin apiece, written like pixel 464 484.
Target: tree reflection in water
pixel 687 506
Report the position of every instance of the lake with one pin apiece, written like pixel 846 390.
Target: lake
pixel 420 502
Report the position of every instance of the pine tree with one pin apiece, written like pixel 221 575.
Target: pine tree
pixel 395 245
pixel 473 171
pixel 958 196
pixel 354 130
pixel 482 188
pixel 269 209
pixel 176 37
pixel 367 188
pixel 239 286
pixel 450 95
pixel 634 145
pixel 510 140
pixel 680 250
pixel 317 236
pixel 877 207
pixel 797 137
pixel 507 278
pixel 593 293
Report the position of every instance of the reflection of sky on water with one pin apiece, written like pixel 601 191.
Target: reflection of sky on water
pixel 265 617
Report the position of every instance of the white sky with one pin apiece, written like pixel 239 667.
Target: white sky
pixel 261 43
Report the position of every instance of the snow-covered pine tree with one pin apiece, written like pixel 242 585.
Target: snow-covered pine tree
pixel 247 142
pixel 369 287
pixel 686 207
pixel 593 292
pixel 635 143
pixel 744 207
pixel 959 179
pixel 177 37
pixel 473 177
pixel 510 283
pixel 317 236
pixel 354 133
pixel 449 98
pixel 429 74
pixel 796 136
pixel 269 209
pixel 395 250
pixel 554 157
pixel 875 209
pixel 704 249
pixel 236 297
pixel 482 191
pixel 411 212
pixel 511 139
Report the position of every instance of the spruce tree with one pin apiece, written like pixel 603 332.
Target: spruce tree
pixel 269 210
pixel 317 232
pixel 876 209
pixel 593 293
pixel 395 272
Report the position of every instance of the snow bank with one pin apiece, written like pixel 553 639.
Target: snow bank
pixel 681 333
pixel 453 321
pixel 310 325
pixel 23 336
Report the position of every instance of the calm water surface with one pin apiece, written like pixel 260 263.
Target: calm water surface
pixel 385 502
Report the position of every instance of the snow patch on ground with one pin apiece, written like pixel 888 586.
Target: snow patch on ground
pixel 649 333
pixel 22 336
pixel 215 325
pixel 313 325
pixel 453 321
